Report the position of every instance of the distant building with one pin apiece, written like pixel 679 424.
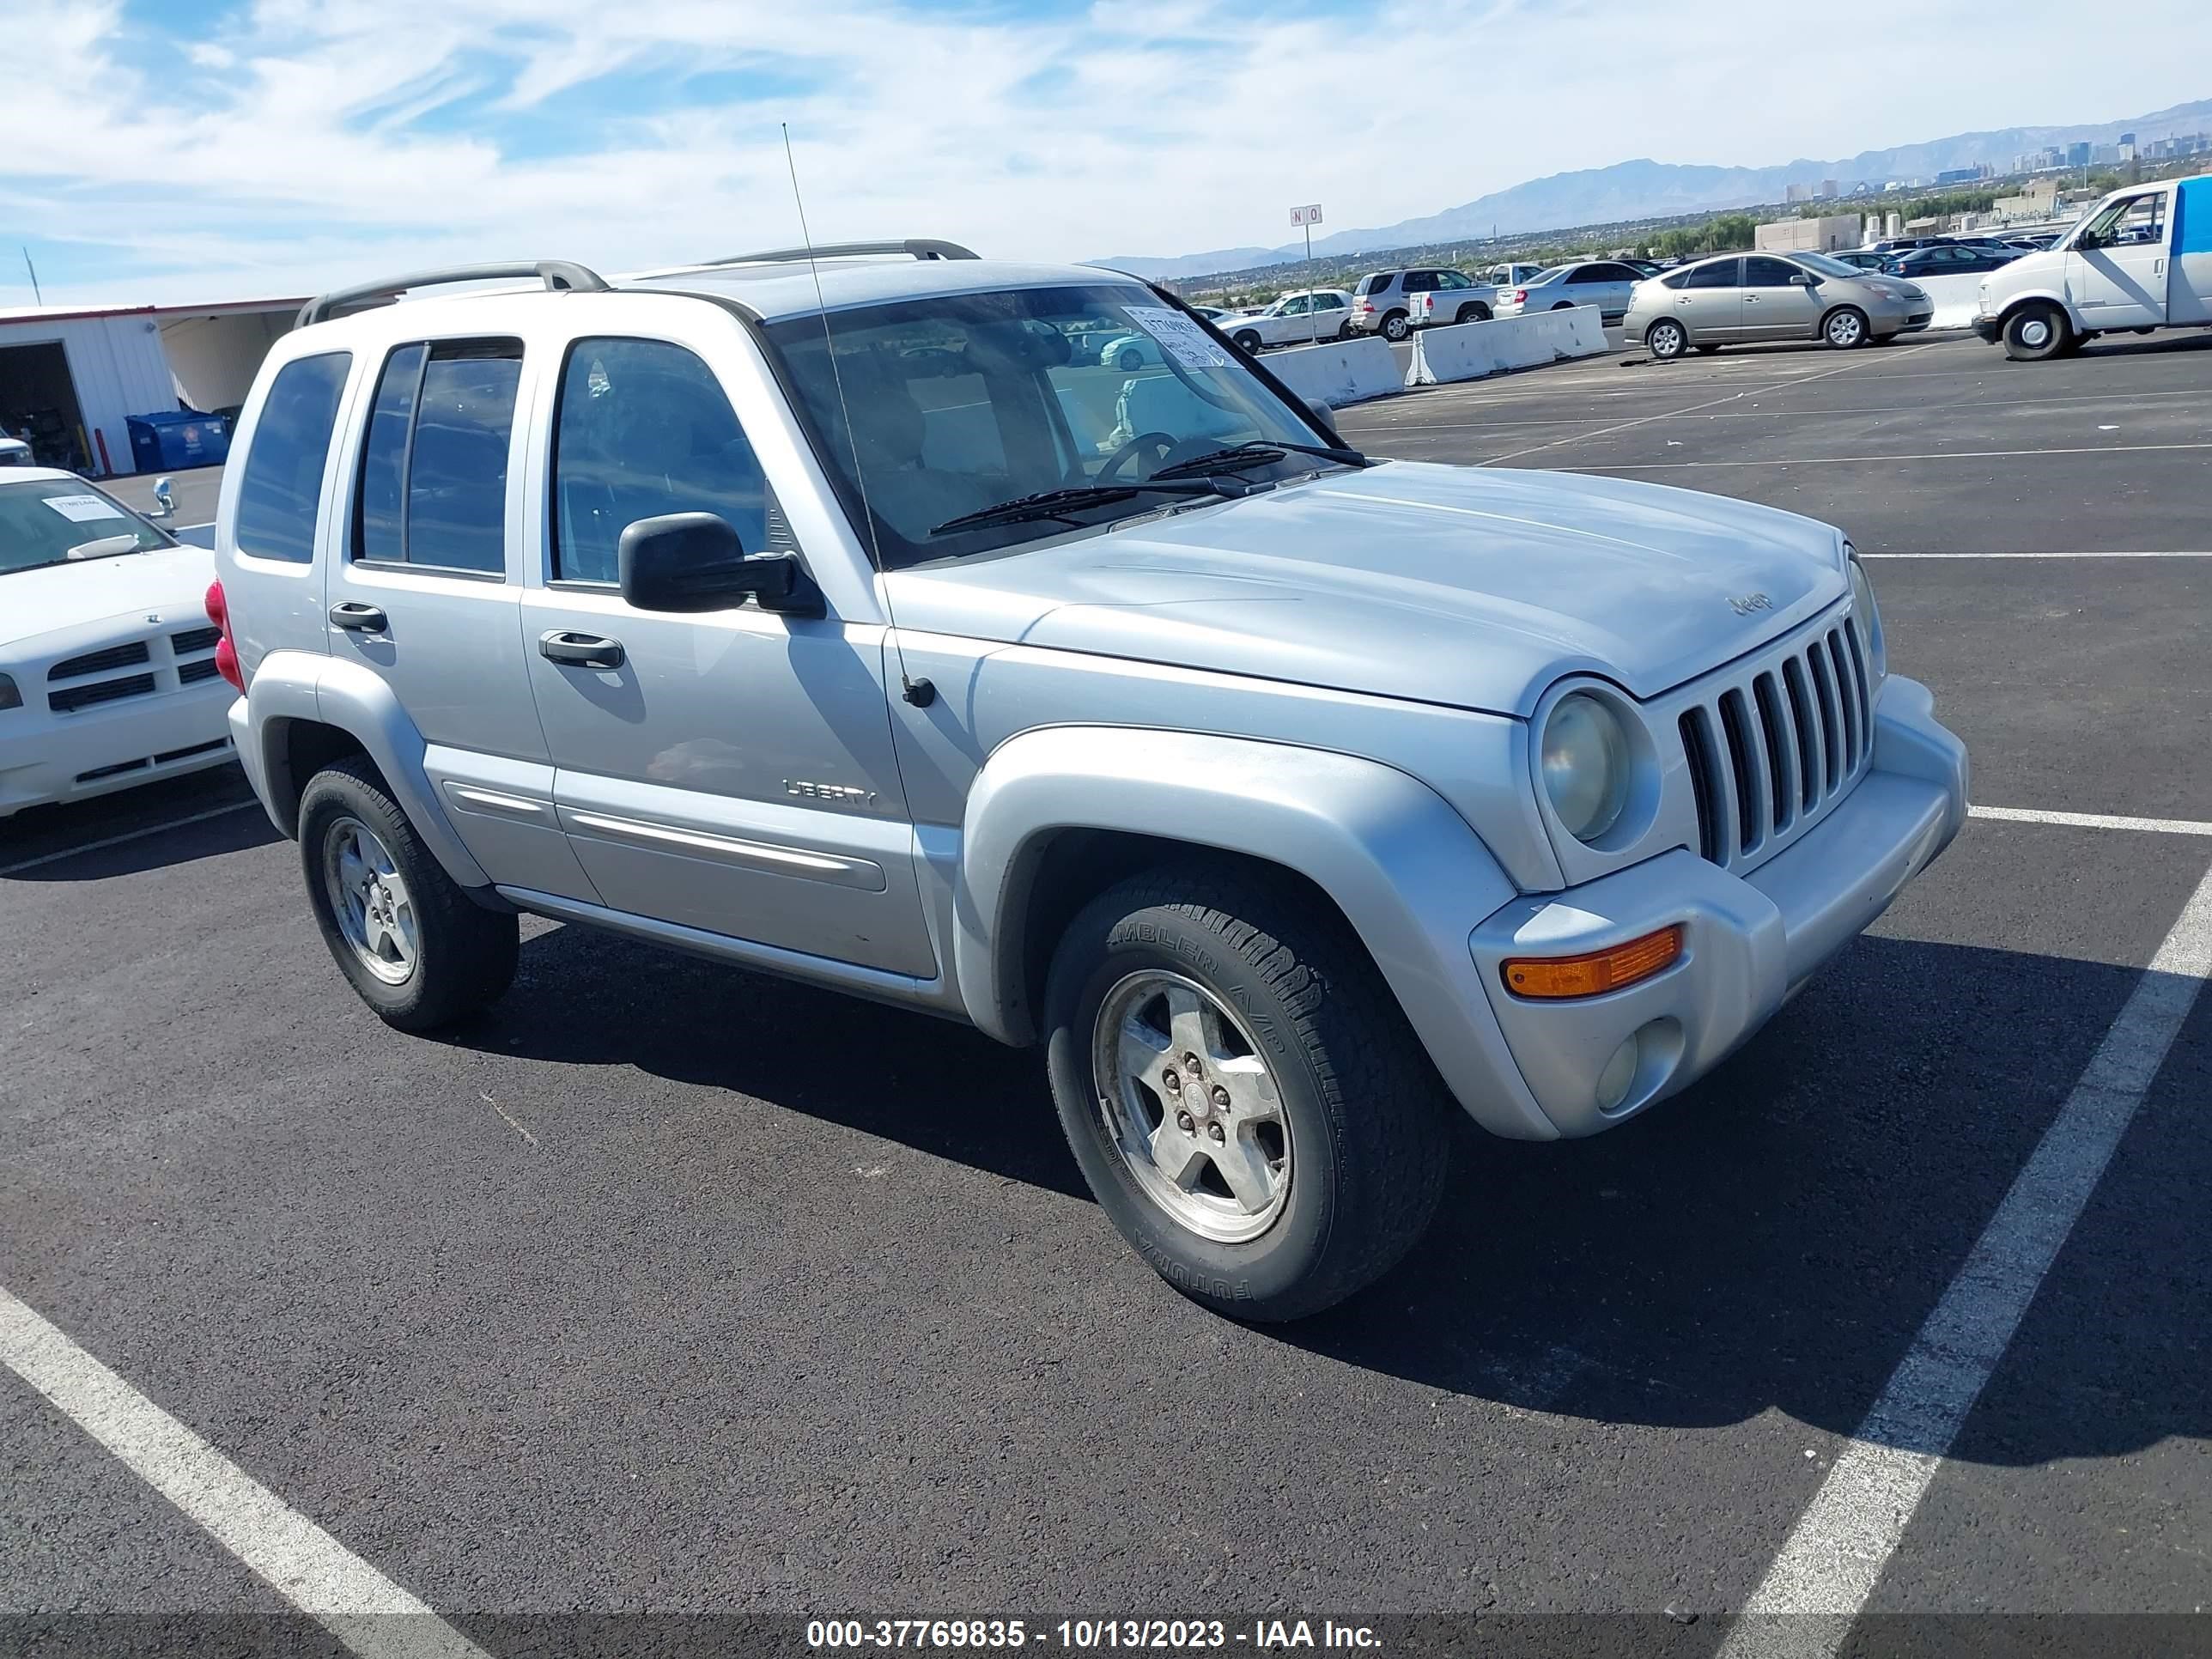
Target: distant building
pixel 1963 175
pixel 1798 193
pixel 1822 235
pixel 2077 155
pixel 2038 202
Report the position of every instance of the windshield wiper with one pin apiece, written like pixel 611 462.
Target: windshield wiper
pixel 1257 452
pixel 1058 503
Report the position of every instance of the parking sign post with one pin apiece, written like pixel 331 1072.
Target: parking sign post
pixel 1307 218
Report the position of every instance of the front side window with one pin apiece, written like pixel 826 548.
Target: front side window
pixel 432 489
pixel 280 494
pixel 1452 279
pixel 2133 221
pixel 963 403
pixel 1769 273
pixel 645 428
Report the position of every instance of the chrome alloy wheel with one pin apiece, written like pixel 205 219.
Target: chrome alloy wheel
pixel 1845 329
pixel 369 900
pixel 1192 1108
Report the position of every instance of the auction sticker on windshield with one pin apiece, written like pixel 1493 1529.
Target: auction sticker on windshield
pixel 80 509
pixel 1181 336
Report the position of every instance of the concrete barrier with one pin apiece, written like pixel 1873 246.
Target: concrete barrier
pixel 1338 372
pixel 1956 298
pixel 1467 351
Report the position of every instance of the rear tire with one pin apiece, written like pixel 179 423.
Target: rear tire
pixel 1130 361
pixel 2036 333
pixel 1845 329
pixel 1395 327
pixel 403 931
pixel 1332 1145
pixel 1476 313
pixel 1666 340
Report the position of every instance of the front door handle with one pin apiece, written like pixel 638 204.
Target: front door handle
pixel 579 650
pixel 358 619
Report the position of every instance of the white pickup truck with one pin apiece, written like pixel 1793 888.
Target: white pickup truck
pixel 2140 259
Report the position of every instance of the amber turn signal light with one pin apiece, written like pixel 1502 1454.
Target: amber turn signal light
pixel 1595 972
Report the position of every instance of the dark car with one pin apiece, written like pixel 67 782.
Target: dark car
pixel 1950 259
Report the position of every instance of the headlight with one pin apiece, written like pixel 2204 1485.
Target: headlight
pixel 1862 607
pixel 1585 763
pixel 9 696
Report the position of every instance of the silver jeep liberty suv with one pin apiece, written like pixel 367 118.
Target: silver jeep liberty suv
pixel 842 618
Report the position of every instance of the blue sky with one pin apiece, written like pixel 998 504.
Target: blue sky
pixel 181 149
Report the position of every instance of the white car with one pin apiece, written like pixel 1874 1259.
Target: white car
pixel 107 659
pixel 1299 319
pixel 14 451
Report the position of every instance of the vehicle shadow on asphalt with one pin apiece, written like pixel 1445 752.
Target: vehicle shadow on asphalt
pixel 47 839
pixel 1771 1240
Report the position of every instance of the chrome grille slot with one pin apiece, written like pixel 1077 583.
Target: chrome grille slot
pixel 71 697
pixel 94 662
pixel 1773 743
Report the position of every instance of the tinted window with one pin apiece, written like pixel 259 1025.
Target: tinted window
pixel 1420 281
pixel 1769 273
pixel 281 488
pixel 384 457
pixel 643 429
pixel 1722 273
pixel 1377 282
pixel 433 465
pixel 1587 274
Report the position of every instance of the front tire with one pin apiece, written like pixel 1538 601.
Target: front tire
pixel 414 945
pixel 2036 333
pixel 1130 361
pixel 1246 342
pixel 1666 340
pixel 1845 329
pixel 1302 1154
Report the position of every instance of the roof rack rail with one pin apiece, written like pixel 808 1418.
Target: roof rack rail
pixel 920 247
pixel 554 273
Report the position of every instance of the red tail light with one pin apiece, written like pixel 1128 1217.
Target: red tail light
pixel 226 651
pixel 1519 296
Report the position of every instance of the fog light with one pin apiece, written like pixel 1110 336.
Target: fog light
pixel 1612 1083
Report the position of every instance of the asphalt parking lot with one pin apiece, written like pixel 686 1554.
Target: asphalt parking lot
pixel 666 1291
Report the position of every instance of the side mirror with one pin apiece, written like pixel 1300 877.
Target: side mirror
pixel 165 502
pixel 1321 412
pixel 2087 242
pixel 1804 279
pixel 691 561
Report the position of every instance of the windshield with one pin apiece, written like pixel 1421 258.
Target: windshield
pixel 52 520
pixel 1826 266
pixel 962 403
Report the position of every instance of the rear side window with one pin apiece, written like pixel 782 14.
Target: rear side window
pixel 433 485
pixel 645 428
pixel 281 492
pixel 1722 273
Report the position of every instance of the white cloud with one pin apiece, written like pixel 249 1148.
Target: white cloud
pixel 307 141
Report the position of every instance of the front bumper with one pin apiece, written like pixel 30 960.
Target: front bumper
pixel 112 746
pixel 1991 328
pixel 1749 941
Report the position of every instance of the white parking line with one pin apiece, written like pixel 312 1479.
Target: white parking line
pixel 1803 1607
pixel 2127 399
pixel 312 1570
pixel 1715 403
pixel 2095 820
pixel 117 840
pixel 1860 460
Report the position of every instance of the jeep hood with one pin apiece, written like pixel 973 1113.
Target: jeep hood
pixel 1476 588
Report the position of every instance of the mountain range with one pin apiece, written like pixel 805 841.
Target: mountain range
pixel 1645 189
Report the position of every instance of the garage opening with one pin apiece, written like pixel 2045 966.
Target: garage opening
pixel 38 403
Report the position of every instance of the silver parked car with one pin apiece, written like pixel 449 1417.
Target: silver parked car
pixel 832 619
pixel 1605 284
pixel 1740 297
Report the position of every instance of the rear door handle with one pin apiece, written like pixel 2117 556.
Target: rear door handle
pixel 579 650
pixel 358 619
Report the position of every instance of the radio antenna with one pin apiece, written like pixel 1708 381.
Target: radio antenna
pixel 920 693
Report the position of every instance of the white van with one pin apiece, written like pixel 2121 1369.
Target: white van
pixel 2140 259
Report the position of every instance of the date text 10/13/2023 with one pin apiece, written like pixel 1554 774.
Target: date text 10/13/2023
pixel 1088 1635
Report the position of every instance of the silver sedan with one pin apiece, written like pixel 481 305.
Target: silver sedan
pixel 1605 284
pixel 1741 297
